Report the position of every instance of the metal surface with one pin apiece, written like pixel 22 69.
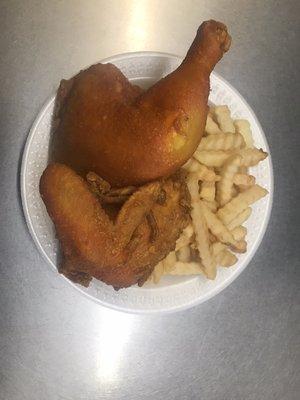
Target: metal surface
pixel 57 344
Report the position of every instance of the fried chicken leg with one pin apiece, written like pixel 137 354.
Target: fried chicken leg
pixel 120 253
pixel 130 137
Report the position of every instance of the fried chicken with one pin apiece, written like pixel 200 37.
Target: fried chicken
pixel 122 252
pixel 130 137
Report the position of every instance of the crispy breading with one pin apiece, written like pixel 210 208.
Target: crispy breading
pixel 121 252
pixel 106 125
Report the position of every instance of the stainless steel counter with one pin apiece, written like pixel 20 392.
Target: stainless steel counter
pixel 57 344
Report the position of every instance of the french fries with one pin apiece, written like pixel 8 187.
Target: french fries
pixel 225 185
pixel 211 158
pixel 222 115
pixel 169 261
pixel 222 191
pixel 201 230
pixel 186 268
pixel 211 127
pixel 251 157
pixel 243 179
pixel 223 141
pixel 239 233
pixel 239 219
pixel 185 238
pixel 219 230
pixel 242 127
pixel 192 165
pixel 217 248
pixel 206 174
pixel 157 273
pixel 226 259
pixel 240 203
pixel 184 254
pixel 208 191
pixel 212 205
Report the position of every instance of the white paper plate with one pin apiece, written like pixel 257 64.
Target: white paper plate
pixel 173 293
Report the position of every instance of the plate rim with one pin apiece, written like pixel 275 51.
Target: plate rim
pixel 168 309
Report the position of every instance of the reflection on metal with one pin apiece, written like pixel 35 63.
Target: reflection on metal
pixel 114 333
pixel 137 24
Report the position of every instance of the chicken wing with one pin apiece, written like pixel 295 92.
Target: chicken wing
pixel 127 136
pixel 121 252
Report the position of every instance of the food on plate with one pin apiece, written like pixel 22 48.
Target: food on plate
pixel 227 173
pixel 211 158
pixel 251 157
pixel 240 219
pixel 185 237
pixel 201 229
pixel 239 232
pixel 119 252
pixel 222 116
pixel 243 179
pixel 222 141
pixel 208 191
pixel 239 203
pixel 242 126
pixel 222 191
pixel 128 136
pixel 124 210
pixel 211 127
pixel 219 230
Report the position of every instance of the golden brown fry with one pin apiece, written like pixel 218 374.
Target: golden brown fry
pixel 219 230
pixel 206 174
pixel 243 179
pixel 186 268
pixel 203 172
pixel 217 248
pixel 239 233
pixel 201 230
pixel 208 191
pixel 211 158
pixel 222 115
pixel 212 205
pixel 240 203
pixel 192 165
pixel 241 188
pixel 234 192
pixel 158 272
pixel 225 185
pixel 169 262
pixel 251 157
pixel 184 254
pixel 185 238
pixel 211 127
pixel 239 219
pixel 243 170
pixel 212 238
pixel 242 247
pixel 222 141
pixel 226 258
pixel 242 126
